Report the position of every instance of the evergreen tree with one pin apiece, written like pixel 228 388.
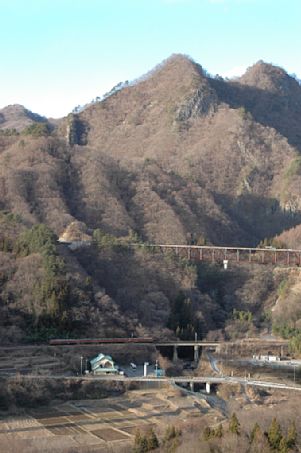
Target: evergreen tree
pixel 234 425
pixel 283 448
pixel 170 433
pixel 152 440
pixel 291 435
pixel 274 434
pixel 140 443
pixel 207 434
pixel 218 432
pixel 255 433
pixel 137 437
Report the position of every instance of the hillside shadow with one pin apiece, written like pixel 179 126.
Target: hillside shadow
pixel 283 113
pixel 257 217
pixel 140 282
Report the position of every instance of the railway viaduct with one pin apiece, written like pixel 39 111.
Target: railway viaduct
pixel 219 254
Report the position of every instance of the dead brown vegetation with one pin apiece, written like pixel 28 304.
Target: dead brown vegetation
pixel 175 156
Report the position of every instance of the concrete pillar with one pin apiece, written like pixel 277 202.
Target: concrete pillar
pixel 201 254
pixel 208 387
pixel 196 353
pixel 145 369
pixel 175 354
pixel 191 384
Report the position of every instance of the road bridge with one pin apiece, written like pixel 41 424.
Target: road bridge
pixel 217 254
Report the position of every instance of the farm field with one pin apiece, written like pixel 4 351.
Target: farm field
pixel 99 425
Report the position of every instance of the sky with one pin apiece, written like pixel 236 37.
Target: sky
pixel 56 54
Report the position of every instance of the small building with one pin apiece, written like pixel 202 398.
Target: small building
pixel 103 364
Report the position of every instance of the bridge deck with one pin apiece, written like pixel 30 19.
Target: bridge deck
pixel 217 254
pixel 187 343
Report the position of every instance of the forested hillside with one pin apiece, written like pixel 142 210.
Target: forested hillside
pixel 177 156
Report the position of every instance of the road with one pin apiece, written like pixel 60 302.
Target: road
pixel 213 363
pixel 168 380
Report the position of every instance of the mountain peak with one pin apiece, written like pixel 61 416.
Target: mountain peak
pixel 178 64
pixel 16 116
pixel 268 77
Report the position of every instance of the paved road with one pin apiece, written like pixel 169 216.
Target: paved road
pixel 173 380
pixel 213 363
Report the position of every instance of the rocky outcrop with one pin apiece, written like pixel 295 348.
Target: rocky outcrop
pixel 76 133
pixel 76 232
pixel 203 102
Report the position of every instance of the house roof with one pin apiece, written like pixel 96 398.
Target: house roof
pixel 100 357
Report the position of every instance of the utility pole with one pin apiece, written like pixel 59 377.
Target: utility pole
pixel 81 365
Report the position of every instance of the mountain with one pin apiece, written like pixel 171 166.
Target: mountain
pixel 177 153
pixel 190 155
pixel 270 95
pixel 18 117
pixel 176 156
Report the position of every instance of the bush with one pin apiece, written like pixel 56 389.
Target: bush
pixel 37 130
pixel 234 425
pixel 104 240
pixel 295 343
pixel 145 443
pixel 242 315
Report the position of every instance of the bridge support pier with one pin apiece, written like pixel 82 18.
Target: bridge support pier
pixel 175 354
pixel 196 354
pixel 208 387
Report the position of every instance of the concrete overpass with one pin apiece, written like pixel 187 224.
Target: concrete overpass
pixel 190 344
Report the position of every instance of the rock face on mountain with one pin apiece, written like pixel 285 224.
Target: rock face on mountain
pixel 174 156
pixel 75 232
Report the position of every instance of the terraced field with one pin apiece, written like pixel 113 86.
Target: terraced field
pixel 107 425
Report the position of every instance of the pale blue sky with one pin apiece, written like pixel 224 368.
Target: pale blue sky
pixel 56 54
